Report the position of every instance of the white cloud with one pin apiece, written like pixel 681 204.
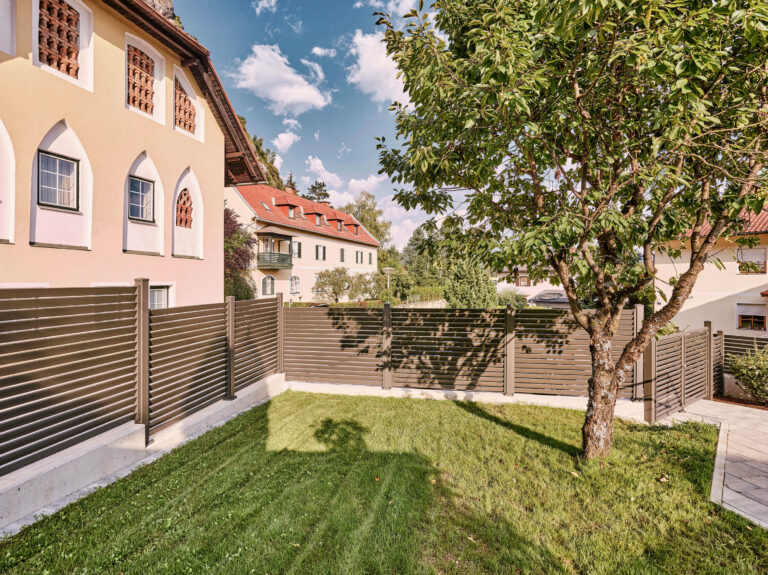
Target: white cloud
pixel 339 199
pixel 374 72
pixel 305 181
pixel 404 222
pixel 295 24
pixel 261 5
pixel 315 69
pixel 401 231
pixel 292 123
pixel 317 136
pixel 393 7
pixel 317 169
pixel 369 184
pixel 267 74
pixel 278 162
pixel 323 52
pixel 284 141
pixel 343 150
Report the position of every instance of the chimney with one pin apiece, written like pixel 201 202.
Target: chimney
pixel 325 203
pixel 290 190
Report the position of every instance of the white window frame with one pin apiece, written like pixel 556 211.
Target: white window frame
pixel 159 99
pixel 59 158
pixel 295 285
pixel 320 249
pixel 165 289
pixel 292 212
pixel 85 54
pixel 273 285
pixel 199 135
pixel 142 182
pixel 296 249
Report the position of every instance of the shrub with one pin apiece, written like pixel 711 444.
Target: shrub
pixel 668 329
pixel 513 298
pixel 751 371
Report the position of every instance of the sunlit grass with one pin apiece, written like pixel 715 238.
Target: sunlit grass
pixel 331 484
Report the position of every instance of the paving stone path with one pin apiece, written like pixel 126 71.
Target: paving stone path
pixel 741 472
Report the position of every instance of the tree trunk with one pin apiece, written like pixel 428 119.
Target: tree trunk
pixel 597 433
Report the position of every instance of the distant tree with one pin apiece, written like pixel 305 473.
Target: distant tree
pixel 425 259
pixel 266 157
pixel 318 192
pixel 470 285
pixel 239 251
pixel 367 211
pixel 332 286
pixel 290 182
pixel 513 298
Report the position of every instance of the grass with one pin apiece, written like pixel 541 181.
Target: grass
pixel 331 484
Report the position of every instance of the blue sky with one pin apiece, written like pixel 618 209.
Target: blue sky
pixel 313 79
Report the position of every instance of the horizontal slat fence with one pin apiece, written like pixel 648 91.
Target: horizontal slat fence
pixel 256 341
pixel 67 368
pixel 552 352
pixel 739 345
pixel 717 363
pixel 187 361
pixel 697 367
pixel 669 375
pixel 333 345
pixel 454 349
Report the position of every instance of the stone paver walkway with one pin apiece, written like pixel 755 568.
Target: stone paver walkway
pixel 741 470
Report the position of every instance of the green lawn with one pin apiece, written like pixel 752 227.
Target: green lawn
pixel 331 484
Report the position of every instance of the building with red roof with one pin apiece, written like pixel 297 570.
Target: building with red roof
pixel 298 238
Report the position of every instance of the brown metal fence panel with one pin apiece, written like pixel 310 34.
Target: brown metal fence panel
pixel 187 361
pixel 256 343
pixel 333 345
pixel 552 352
pixel 448 349
pixel 696 366
pixel 739 345
pixel 669 374
pixel 67 368
pixel 717 364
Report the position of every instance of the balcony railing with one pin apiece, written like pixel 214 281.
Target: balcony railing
pixel 274 261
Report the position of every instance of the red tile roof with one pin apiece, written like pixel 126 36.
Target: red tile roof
pixel 255 194
pixel 753 223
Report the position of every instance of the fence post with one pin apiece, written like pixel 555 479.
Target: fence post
pixel 710 361
pixel 509 351
pixel 649 382
pixel 637 391
pixel 721 371
pixel 683 344
pixel 230 348
pixel 280 334
pixel 142 354
pixel 386 346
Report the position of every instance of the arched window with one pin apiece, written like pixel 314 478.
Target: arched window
pixel 143 208
pixel 268 286
pixel 184 209
pixel 295 284
pixel 62 191
pixel 144 79
pixel 188 112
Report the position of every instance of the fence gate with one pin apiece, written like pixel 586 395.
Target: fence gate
pixel 680 370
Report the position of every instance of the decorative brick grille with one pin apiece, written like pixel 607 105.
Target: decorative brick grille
pixel 141 80
pixel 185 110
pixel 59 36
pixel 184 209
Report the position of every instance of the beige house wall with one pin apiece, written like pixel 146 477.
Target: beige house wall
pixel 34 100
pixel 306 267
pixel 717 292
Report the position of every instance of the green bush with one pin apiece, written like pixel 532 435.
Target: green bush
pixel 667 329
pixel 513 298
pixel 751 371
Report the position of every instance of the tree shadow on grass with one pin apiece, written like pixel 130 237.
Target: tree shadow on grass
pixel 227 503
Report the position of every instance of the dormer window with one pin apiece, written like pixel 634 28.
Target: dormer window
pixel 354 229
pixel 339 225
pixel 59 37
pixel 141 80
pixel 317 219
pixel 291 212
pixel 185 113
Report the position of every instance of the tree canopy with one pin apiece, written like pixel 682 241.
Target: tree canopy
pixel 367 211
pixel 469 285
pixel 318 192
pixel 266 157
pixel 585 137
pixel 239 251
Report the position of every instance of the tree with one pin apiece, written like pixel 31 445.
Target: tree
pixel 585 137
pixel 290 182
pixel 426 258
pixel 266 157
pixel 470 285
pixel 366 210
pixel 318 192
pixel 332 286
pixel 239 252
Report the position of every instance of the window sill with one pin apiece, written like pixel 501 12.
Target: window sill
pixel 186 257
pixel 60 247
pixel 6 242
pixel 160 119
pixel 142 222
pixel 60 210
pixel 140 253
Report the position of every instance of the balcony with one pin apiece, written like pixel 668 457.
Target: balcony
pixel 274 261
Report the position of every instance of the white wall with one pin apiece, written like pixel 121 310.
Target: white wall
pixel 7 186
pixel 55 226
pixel 144 237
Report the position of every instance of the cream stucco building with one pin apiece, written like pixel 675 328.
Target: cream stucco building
pixel 734 299
pixel 297 239
pixel 116 144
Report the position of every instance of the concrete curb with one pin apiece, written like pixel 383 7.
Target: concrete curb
pixel 718 475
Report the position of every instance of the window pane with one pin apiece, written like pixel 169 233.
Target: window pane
pixel 57 180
